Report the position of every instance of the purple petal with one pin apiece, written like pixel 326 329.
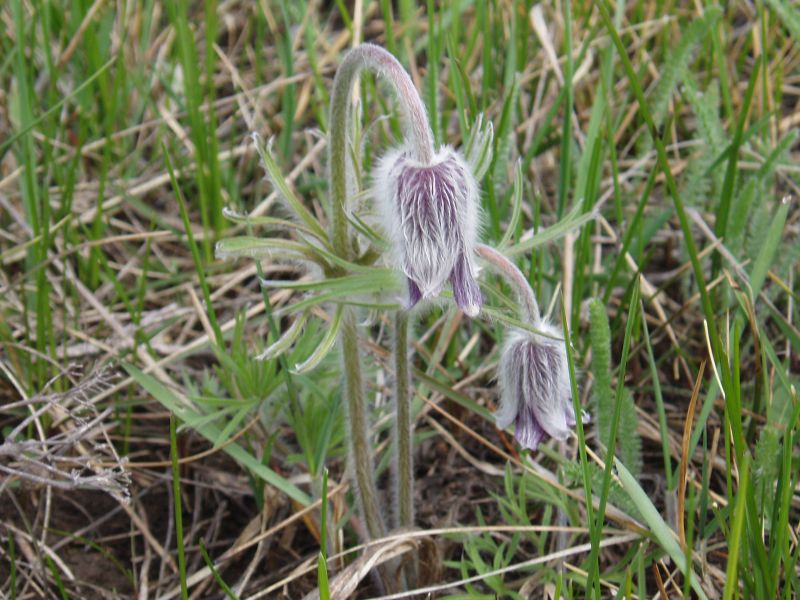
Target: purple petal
pixel 528 431
pixel 414 294
pixel 428 200
pixel 430 212
pixel 545 364
pixel 570 416
pixel 466 291
pixel 535 388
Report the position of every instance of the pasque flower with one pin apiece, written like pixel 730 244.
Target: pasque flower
pixel 430 211
pixel 534 386
pixel 533 373
pixel 428 197
pixel 430 200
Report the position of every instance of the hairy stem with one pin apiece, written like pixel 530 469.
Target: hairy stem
pixel 404 436
pixel 515 277
pixel 358 418
pixel 420 140
pixel 418 133
pixel 404 445
pixel 419 143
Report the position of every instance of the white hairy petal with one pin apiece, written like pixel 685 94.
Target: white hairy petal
pixel 430 212
pixel 534 386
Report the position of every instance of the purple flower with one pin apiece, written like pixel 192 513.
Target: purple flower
pixel 535 391
pixel 431 215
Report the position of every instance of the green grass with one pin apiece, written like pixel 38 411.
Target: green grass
pixel 648 191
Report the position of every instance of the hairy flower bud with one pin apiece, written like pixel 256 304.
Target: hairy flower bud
pixel 534 386
pixel 431 215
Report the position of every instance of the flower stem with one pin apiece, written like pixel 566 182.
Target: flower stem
pixel 417 130
pixel 404 445
pixel 358 418
pixel 419 143
pixel 515 277
pixel 404 437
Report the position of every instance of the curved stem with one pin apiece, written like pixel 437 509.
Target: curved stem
pixel 420 144
pixel 417 130
pixel 515 277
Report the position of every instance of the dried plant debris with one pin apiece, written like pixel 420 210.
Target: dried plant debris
pixel 74 451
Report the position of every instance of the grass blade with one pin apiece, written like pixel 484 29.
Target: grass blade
pixel 735 540
pixel 166 397
pixel 666 537
pixel 766 255
pixel 217 577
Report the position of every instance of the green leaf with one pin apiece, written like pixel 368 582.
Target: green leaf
pixel 479 149
pixel 351 284
pixel 664 534
pixel 339 296
pixel 630 444
pixel 674 68
pixel 705 106
pixel 186 413
pixel 280 183
pixel 241 219
pixel 516 207
pixel 735 539
pixel 283 343
pixel 324 346
pixel 600 335
pixel 766 255
pixel 322 578
pixel 739 216
pixel 253 247
pixel 217 577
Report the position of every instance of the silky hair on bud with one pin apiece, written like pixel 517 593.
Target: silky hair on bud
pixel 535 392
pixel 430 213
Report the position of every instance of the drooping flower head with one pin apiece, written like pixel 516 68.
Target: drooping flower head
pixel 534 384
pixel 533 374
pixel 430 212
